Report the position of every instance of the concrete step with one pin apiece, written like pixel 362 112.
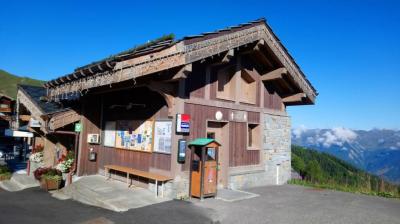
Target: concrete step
pixel 9 185
pixel 19 182
pixel 24 180
pixel 113 195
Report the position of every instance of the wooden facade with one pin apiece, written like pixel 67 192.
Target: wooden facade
pixel 225 81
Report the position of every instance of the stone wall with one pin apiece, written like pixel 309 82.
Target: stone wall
pixel 276 156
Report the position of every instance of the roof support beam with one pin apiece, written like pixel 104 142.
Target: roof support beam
pixel 182 73
pixel 274 74
pixel 259 52
pixel 295 98
pixel 228 56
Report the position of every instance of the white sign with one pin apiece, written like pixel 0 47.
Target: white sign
pixel 12 133
pixel 162 136
pixel 182 123
pixel 109 133
pixel 33 123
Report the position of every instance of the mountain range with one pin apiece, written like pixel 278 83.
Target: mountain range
pixel 9 82
pixel 376 151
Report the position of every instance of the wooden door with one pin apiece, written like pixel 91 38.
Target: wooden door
pixel 220 132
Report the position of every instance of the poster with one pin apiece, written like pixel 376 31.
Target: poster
pixel 162 136
pixel 135 135
pixel 109 133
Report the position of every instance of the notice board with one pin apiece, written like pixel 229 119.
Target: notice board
pixel 135 135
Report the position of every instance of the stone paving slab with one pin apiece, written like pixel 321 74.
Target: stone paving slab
pixel 229 195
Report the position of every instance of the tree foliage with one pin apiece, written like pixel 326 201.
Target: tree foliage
pixel 327 170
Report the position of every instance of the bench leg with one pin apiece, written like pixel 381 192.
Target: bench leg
pixel 156 190
pixel 127 179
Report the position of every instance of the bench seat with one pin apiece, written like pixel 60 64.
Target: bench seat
pixel 130 171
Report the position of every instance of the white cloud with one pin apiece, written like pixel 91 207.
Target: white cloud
pixel 310 140
pixel 381 141
pixel 337 136
pixel 392 147
pixel 297 132
pixel 398 144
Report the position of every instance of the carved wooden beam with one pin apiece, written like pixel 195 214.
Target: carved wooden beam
pixel 295 98
pixel 274 75
pixel 252 73
pixel 182 73
pixel 167 91
pixel 258 50
pixel 228 56
pixel 62 119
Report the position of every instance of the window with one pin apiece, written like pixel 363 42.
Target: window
pixel 248 88
pixel 226 83
pixel 253 136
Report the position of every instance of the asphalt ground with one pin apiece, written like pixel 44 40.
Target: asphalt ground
pixel 278 204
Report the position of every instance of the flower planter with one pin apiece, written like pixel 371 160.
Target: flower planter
pixel 33 166
pixel 50 184
pixel 5 177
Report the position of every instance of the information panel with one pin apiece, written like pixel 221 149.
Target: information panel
pixel 135 135
pixel 109 133
pixel 162 136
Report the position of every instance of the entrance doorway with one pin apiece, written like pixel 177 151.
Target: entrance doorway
pixel 220 132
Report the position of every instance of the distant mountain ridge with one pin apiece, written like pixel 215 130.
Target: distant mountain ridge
pixel 376 151
pixel 9 83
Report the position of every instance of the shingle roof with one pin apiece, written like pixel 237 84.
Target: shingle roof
pixel 35 93
pixel 109 62
pixel 162 43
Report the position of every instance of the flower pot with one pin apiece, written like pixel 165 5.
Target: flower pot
pixel 50 184
pixel 4 177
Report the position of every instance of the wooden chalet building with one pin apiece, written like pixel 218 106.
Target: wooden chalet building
pixel 137 108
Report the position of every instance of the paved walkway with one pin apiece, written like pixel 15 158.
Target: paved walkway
pixel 35 206
pixel 109 194
pixel 283 204
pixel 300 205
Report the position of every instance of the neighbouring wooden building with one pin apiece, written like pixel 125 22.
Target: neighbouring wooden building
pixel 139 108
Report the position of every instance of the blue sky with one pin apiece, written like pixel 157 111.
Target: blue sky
pixel 349 50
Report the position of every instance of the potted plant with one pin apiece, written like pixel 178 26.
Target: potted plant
pixel 5 173
pixel 36 159
pixel 65 164
pixel 50 178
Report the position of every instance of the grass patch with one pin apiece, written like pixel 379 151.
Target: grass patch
pixel 343 188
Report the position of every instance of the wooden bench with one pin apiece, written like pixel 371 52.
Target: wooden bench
pixel 130 171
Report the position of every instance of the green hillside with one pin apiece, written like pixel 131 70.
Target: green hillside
pixel 326 171
pixel 9 82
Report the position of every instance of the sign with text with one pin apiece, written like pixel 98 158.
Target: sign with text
pixel 183 123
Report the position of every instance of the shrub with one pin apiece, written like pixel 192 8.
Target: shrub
pixel 4 169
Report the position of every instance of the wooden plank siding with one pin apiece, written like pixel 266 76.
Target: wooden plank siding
pixel 253 117
pixel 272 100
pixel 195 81
pixel 115 156
pixel 238 153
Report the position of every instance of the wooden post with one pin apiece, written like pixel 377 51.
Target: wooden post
pixel 190 171
pixel 202 173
